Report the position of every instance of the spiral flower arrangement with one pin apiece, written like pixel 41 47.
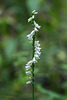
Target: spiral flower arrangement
pixel 36 51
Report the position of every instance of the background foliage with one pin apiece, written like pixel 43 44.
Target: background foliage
pixel 15 49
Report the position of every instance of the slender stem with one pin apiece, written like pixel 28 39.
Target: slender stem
pixel 33 48
pixel 33 68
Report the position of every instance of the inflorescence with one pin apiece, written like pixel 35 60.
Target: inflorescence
pixel 37 46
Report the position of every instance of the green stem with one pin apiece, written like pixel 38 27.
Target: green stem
pixel 33 68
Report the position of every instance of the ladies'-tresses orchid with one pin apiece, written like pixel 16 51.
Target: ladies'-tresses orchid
pixel 31 18
pixel 30 36
pixel 33 12
pixel 36 46
pixel 36 25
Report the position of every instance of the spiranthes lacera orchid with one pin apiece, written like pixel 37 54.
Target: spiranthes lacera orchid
pixel 36 51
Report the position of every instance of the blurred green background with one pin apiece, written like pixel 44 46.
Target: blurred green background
pixel 16 51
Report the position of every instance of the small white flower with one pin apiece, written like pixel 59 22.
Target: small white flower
pixel 31 18
pixel 29 63
pixel 30 36
pixel 38 48
pixel 37 52
pixel 35 29
pixel 37 44
pixel 28 82
pixel 36 25
pixel 34 12
pixel 36 56
pixel 32 33
pixel 28 72
pixel 29 77
pixel 34 60
pixel 27 68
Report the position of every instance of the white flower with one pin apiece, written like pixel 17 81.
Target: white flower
pixel 37 50
pixel 31 18
pixel 28 72
pixel 32 33
pixel 36 25
pixel 34 12
pixel 28 82
pixel 35 29
pixel 29 63
pixel 30 36
pixel 29 77
pixel 37 43
pixel 27 67
pixel 36 56
pixel 34 60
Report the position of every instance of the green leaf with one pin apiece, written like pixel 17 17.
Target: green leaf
pixel 48 92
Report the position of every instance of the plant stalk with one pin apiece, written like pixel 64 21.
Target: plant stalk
pixel 33 68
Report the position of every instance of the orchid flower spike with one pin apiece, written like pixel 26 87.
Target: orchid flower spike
pixel 37 48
